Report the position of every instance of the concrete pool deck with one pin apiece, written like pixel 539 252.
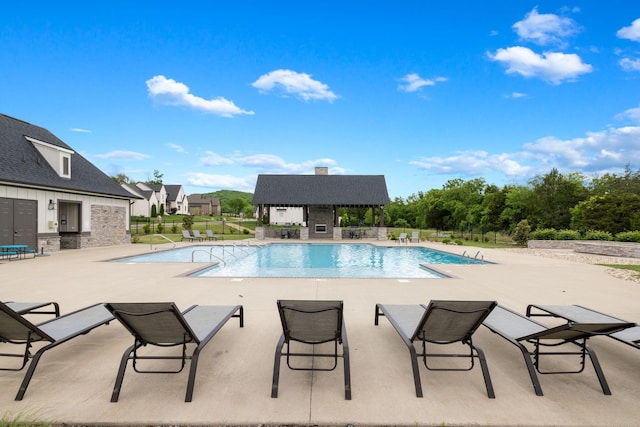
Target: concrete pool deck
pixel 73 382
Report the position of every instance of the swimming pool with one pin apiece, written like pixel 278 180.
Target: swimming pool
pixel 309 260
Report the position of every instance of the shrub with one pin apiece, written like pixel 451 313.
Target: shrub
pixel 174 229
pixel 146 229
pixel 160 227
pixel 446 241
pixel 545 234
pixel 522 232
pixel 568 235
pixel 458 242
pixel 628 236
pixel 598 235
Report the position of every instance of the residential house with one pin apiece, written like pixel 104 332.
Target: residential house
pixel 52 198
pixel 199 204
pixel 177 201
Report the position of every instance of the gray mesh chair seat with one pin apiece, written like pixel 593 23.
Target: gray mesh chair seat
pixel 526 333
pixel 441 322
pixel 312 322
pixel 15 329
pixel 162 324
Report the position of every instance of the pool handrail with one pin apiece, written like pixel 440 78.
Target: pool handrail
pixel 210 252
pixel 164 237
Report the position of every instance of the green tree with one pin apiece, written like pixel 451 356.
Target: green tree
pixel 187 222
pixel 237 205
pixel 157 178
pixel 493 205
pixel 123 179
pixel 613 212
pixel 154 210
pixel 522 232
pixel 554 194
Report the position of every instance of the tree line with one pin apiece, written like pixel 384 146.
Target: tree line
pixel 610 203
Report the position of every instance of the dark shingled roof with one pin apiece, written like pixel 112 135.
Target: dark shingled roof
pixel 302 190
pixel 22 164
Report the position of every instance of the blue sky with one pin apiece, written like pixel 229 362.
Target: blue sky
pixel 211 94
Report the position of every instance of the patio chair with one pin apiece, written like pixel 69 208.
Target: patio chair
pixel 15 329
pixel 186 236
pixel 313 323
pixel 402 238
pixel 162 324
pixel 210 235
pixel 441 322
pixel 520 330
pixel 197 235
pixel 415 237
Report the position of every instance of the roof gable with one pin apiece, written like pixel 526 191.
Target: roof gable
pixel 21 163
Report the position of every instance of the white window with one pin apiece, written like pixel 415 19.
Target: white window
pixel 65 170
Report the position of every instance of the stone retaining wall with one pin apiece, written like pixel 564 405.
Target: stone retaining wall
pixel 598 247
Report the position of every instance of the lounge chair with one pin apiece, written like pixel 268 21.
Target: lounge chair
pixel 15 329
pixel 578 313
pixel 402 238
pixel 210 235
pixel 186 236
pixel 441 322
pixel 312 322
pixel 519 329
pixel 162 324
pixel 34 307
pixel 415 237
pixel 197 235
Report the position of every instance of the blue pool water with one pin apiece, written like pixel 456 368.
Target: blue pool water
pixel 309 260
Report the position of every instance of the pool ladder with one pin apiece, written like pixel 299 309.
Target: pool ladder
pixel 225 250
pixel 173 244
pixel 478 254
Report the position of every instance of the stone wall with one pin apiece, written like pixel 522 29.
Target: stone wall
pixel 108 227
pixel 551 244
pixel 597 247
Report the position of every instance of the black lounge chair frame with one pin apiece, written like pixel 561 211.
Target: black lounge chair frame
pixel 477 310
pixel 311 310
pixel 126 313
pixel 578 313
pixel 507 322
pixel 20 331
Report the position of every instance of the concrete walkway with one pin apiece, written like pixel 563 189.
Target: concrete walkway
pixel 73 382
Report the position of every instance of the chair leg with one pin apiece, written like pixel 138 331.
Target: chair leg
pixel 192 374
pixel 123 367
pixel 416 369
pixel 276 368
pixel 485 372
pixel 530 367
pixel 347 369
pixel 30 370
pixel 599 372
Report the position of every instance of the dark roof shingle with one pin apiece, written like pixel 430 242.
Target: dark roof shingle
pixel 301 190
pixel 21 163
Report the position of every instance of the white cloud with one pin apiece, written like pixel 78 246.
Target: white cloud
pixel 170 92
pixel 632 114
pixel 473 163
pixel 516 95
pixel 629 64
pixel 553 67
pixel 545 29
pixel 298 84
pixel 221 181
pixel 213 159
pixel 271 163
pixel 123 155
pixel 631 32
pixel 177 148
pixel 80 130
pixel 596 153
pixel 413 82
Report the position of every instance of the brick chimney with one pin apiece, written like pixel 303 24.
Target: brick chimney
pixel 322 170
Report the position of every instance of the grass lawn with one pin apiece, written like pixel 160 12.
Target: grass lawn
pixel 633 267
